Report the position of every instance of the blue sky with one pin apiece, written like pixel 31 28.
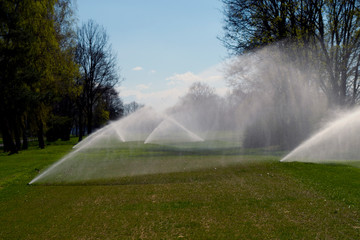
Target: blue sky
pixel 162 45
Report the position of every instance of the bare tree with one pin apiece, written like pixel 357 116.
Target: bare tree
pixel 278 104
pixel 98 69
pixel 322 33
pixel 131 107
pixel 200 91
pixel 199 109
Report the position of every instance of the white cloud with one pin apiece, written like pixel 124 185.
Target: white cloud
pixel 138 68
pixel 143 86
pixel 152 72
pixel 175 86
pixel 186 78
pixel 212 76
pixel 160 100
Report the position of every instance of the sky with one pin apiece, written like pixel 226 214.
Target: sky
pixel 162 46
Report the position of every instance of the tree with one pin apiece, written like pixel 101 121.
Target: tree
pixel 199 91
pixel 33 62
pixel 338 34
pixel 278 102
pixel 200 109
pixel 113 104
pixel 12 54
pixel 63 103
pixel 131 107
pixel 98 70
pixel 26 31
pixel 109 107
pixel 313 33
pixel 54 65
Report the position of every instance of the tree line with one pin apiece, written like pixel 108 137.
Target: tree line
pixel 55 78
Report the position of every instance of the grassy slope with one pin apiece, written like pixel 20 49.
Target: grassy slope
pixel 259 200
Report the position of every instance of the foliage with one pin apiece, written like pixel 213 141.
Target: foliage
pixel 58 127
pixel 36 60
pixel 38 92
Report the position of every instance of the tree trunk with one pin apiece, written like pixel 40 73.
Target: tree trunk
pixel 17 138
pixel 89 121
pixel 9 145
pixel 25 144
pixel 40 134
pixel 81 127
pixel 17 135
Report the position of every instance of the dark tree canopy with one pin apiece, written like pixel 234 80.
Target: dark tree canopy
pixel 31 52
pixel 51 75
pixel 250 24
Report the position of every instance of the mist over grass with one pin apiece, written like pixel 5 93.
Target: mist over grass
pixel 255 198
pixel 274 102
pixel 337 141
pixel 136 158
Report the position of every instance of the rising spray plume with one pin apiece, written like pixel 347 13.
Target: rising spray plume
pixel 97 157
pixel 338 141
pixel 270 103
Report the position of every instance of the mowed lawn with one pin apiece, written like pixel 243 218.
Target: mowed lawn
pixel 258 198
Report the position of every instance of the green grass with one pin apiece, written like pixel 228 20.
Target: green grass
pixel 258 198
